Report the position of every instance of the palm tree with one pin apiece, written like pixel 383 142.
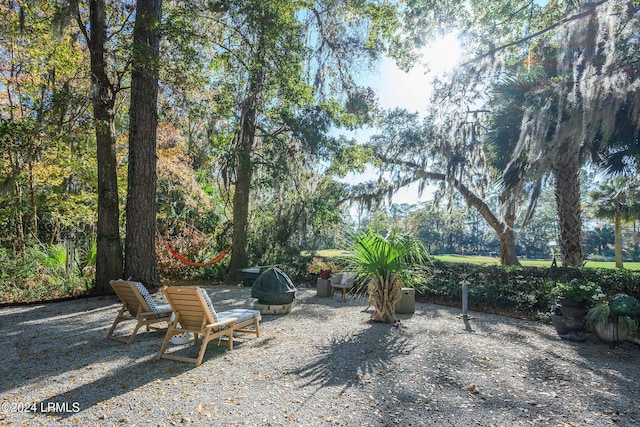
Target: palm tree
pixel 619 200
pixel 384 262
pixel 502 136
pixel 577 111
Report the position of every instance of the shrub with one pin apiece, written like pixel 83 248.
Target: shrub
pixel 519 290
pixel 578 290
pixel 38 274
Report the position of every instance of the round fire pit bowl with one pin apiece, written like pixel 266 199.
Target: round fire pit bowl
pixel 273 287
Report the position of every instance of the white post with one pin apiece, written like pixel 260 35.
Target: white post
pixel 465 299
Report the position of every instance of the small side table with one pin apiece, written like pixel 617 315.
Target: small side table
pixel 407 301
pixel 323 287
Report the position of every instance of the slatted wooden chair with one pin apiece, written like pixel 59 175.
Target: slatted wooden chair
pixel 137 305
pixel 195 313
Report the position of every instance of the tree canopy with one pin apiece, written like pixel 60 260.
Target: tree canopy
pixel 252 98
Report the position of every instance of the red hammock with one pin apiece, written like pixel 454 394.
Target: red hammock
pixel 218 257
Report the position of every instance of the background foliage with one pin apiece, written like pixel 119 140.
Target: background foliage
pixel 301 191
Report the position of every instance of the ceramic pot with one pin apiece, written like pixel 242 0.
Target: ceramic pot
pixel 607 332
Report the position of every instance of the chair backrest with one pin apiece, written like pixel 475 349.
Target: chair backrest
pixel 348 279
pixel 134 296
pixel 336 279
pixel 191 306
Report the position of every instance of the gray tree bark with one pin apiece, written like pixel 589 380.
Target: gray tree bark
pixel 140 257
pixel 109 246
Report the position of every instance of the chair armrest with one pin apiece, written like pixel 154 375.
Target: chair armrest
pixel 225 322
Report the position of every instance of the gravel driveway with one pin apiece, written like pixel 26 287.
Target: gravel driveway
pixel 323 364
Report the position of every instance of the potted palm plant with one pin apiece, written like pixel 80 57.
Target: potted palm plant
pixel 384 263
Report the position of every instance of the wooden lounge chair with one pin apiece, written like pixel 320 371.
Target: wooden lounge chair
pixel 194 313
pixel 137 305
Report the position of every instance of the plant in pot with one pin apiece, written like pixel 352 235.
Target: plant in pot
pixel 602 321
pixel 574 298
pixel 322 267
pixel 384 262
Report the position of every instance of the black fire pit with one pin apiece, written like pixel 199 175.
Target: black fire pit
pixel 273 287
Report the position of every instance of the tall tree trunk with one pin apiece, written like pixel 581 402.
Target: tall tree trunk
pixel 140 257
pixel 567 191
pixel 239 257
pixel 32 202
pixel 18 240
pixel 507 238
pixel 69 247
pixel 503 229
pixel 244 171
pixel 618 240
pixel 244 174
pixel 508 255
pixel 109 246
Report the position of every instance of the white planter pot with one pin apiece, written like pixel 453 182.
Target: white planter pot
pixel 606 331
pixel 182 338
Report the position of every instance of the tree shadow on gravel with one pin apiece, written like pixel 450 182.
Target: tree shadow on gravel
pixel 134 376
pixel 570 376
pixel 58 354
pixel 608 376
pixel 50 339
pixel 548 379
pixel 512 371
pixel 345 361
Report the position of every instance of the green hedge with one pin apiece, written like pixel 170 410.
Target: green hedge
pixel 496 289
pixel 517 288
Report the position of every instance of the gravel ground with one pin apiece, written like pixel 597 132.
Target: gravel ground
pixel 322 364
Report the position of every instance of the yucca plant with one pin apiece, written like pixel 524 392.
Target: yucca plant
pixel 54 257
pixel 384 262
pixel 88 258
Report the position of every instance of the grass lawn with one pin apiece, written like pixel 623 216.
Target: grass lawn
pixel 531 262
pixel 488 260
pixel 326 253
pixel 332 253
